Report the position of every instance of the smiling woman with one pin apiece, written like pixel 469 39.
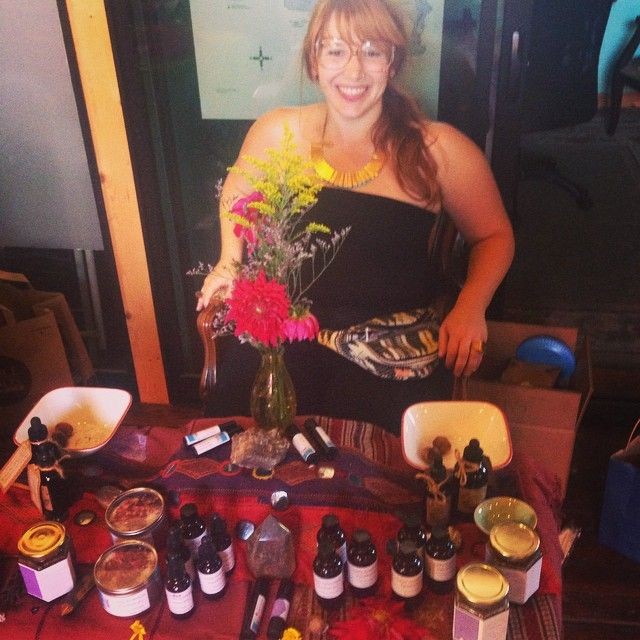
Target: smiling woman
pixel 388 173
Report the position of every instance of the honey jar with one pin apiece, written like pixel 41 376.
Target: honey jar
pixel 514 549
pixel 46 561
pixel 481 607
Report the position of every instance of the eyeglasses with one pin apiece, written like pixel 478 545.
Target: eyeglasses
pixel 375 55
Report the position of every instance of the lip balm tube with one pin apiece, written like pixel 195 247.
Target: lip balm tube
pixel 215 441
pixel 214 430
pixel 254 609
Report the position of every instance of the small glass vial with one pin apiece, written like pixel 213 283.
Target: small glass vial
pixel 46 561
pixel 438 503
pixel 211 574
pixel 301 444
pixel 332 531
pixel 481 609
pixel 280 610
pixel 362 564
pixel 473 476
pixel 178 588
pixel 440 560
pixel 407 574
pixel 175 544
pixel 320 439
pixel 53 487
pixel 193 527
pixel 514 549
pixel 328 577
pixel 413 530
pixel 223 543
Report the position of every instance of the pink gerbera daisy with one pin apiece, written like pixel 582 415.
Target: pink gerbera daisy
pixel 304 327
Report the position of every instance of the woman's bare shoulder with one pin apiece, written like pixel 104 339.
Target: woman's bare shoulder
pixel 268 129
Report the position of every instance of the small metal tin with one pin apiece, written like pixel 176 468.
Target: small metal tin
pixel 136 514
pixel 46 561
pixel 127 578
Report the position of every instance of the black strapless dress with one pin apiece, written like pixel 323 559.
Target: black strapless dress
pixel 381 268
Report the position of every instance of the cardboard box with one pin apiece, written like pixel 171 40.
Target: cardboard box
pixel 542 422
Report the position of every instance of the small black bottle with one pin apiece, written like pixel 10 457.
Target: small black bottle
pixel 54 488
pixel 192 526
pixel 301 444
pixel 440 560
pixel 362 564
pixel 211 575
pixel 438 503
pixel 280 609
pixel 407 574
pixel 223 543
pixel 178 588
pixel 413 530
pixel 328 577
pixel 473 476
pixel 332 531
pixel 175 544
pixel 320 439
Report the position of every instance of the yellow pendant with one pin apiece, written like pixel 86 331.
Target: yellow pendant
pixel 345 179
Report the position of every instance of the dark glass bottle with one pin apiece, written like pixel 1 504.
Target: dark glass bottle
pixel 211 575
pixel 438 503
pixel 54 488
pixel 413 531
pixel 328 578
pixel 175 544
pixel 178 588
pixel 320 439
pixel 473 476
pixel 301 444
pixel 192 526
pixel 362 564
pixel 440 561
pixel 332 531
pixel 223 542
pixel 407 574
pixel 280 609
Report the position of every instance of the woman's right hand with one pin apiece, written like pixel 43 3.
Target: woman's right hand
pixel 215 285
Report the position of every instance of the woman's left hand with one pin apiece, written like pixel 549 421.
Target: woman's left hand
pixel 462 337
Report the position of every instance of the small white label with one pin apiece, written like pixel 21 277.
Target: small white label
pixel 328 588
pixel 211 443
pixel 228 558
pixel 192 438
pixel 406 586
pixel 212 583
pixel 469 626
pixel 181 602
pixel 302 446
pixel 441 570
pixel 362 577
pixel 50 583
pixel 126 605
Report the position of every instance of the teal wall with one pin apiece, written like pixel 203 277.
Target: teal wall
pixel 619 30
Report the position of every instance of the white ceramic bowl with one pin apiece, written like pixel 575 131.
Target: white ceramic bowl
pixel 94 413
pixel 458 421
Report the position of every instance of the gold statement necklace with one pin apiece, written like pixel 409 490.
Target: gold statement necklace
pixel 344 179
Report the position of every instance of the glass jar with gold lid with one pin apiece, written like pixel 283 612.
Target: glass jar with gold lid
pixel 45 559
pixel 514 549
pixel 481 606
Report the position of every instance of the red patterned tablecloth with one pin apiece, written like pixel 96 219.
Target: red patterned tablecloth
pixel 370 487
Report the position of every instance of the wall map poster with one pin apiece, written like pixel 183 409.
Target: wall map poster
pixel 248 54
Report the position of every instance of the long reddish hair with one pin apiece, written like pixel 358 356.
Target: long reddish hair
pixel 400 128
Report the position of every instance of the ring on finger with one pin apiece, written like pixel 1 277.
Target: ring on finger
pixel 478 346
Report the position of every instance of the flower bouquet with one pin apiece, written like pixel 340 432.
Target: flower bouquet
pixel 285 254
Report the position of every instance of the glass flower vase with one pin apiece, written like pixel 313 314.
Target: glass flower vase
pixel 273 397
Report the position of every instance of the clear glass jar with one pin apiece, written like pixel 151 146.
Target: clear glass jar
pixel 45 559
pixel 514 549
pixel 481 607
